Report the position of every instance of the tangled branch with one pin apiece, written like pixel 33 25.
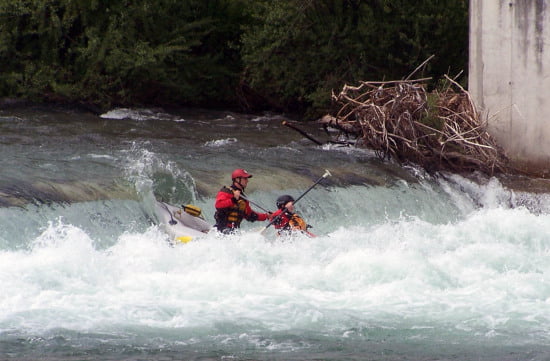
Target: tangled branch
pixel 440 130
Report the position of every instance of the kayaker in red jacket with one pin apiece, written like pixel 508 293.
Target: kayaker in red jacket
pixel 231 209
pixel 286 220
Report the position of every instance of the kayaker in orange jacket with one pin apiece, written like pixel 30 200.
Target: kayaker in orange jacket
pixel 286 220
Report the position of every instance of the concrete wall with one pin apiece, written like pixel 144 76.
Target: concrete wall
pixel 509 75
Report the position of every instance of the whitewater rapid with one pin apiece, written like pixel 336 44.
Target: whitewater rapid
pixel 405 265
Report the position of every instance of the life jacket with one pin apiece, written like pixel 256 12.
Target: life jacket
pixel 290 222
pixel 297 223
pixel 230 217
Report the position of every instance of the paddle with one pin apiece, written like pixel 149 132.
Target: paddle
pixel 327 173
pixel 253 203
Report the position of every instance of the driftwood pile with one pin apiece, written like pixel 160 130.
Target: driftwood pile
pixel 440 130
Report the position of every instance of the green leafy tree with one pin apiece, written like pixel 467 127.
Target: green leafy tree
pixel 297 52
pixel 117 51
pixel 291 53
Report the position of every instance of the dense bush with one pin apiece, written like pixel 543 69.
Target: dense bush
pixel 118 51
pixel 299 51
pixel 287 54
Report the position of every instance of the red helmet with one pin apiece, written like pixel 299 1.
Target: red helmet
pixel 240 173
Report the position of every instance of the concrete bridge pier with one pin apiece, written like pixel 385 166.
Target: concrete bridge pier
pixel 509 76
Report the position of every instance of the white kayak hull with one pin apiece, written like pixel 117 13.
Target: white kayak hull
pixel 180 226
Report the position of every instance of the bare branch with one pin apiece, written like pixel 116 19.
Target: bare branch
pixel 395 118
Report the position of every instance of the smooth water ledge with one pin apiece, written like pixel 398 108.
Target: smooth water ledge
pixel 281 346
pixel 46 192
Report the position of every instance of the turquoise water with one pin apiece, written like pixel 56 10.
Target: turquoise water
pixel 406 266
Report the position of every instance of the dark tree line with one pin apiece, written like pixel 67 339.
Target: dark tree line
pixel 286 55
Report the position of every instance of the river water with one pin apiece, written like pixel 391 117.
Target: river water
pixel 406 266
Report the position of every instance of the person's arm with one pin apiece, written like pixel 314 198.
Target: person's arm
pixel 262 216
pixel 252 216
pixel 275 214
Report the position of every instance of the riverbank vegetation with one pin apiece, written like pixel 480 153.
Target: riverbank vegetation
pixel 285 55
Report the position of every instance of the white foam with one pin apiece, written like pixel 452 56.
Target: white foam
pixel 220 142
pixel 140 114
pixel 487 273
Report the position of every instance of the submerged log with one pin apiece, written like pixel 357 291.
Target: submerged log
pixel 308 136
pixel 439 130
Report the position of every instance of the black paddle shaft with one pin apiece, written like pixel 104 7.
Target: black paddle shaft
pixel 253 203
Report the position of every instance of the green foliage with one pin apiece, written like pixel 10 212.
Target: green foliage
pixel 303 49
pixel 300 51
pixel 293 53
pixel 116 51
pixel 431 118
